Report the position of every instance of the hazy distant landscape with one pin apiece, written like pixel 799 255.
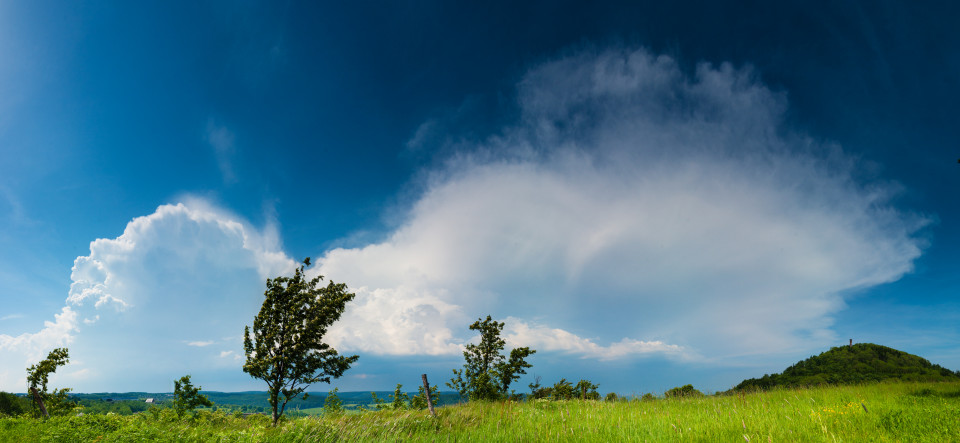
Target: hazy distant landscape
pixel 250 401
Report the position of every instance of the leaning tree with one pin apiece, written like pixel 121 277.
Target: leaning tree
pixel 286 348
pixel 38 375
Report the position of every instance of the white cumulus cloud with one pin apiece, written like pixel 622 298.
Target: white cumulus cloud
pixel 663 212
pixel 188 270
pixel 34 346
pixel 519 333
pixel 26 349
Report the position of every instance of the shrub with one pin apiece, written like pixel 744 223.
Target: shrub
pixel 585 390
pixel 562 390
pixel 186 397
pixel 332 405
pixel 419 401
pixel 683 391
pixel 400 399
pixel 13 405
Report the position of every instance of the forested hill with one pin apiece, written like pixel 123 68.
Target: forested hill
pixel 862 362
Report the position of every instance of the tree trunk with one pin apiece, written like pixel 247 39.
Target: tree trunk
pixel 274 402
pixel 39 400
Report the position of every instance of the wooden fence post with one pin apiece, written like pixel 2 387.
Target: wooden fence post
pixel 426 390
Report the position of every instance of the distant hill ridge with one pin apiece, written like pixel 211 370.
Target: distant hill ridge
pixel 862 362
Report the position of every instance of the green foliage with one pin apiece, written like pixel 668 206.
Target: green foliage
pixel 487 374
pixel 648 397
pixel 92 405
pixel 538 391
pixel 400 399
pixel 683 391
pixel 862 362
pixel 38 375
pixel 332 404
pixel 545 392
pixel 459 384
pixel 379 403
pixel 611 396
pixel 419 401
pixel 535 387
pixel 13 405
pixel 287 349
pixel 893 412
pixel 562 390
pixel 186 397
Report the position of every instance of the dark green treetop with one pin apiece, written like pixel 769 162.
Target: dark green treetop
pixel 683 391
pixel 586 390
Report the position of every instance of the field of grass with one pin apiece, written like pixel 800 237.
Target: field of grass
pixel 874 412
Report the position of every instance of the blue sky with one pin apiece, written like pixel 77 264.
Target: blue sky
pixel 648 194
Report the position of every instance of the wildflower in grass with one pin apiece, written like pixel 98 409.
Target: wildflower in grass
pixel 848 408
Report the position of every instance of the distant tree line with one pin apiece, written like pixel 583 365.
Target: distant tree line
pixel 564 390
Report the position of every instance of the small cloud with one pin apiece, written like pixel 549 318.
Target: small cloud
pixel 200 344
pixel 14 208
pixel 361 376
pixel 11 316
pixel 540 337
pixel 222 141
pixel 80 374
pixel 90 321
pixel 118 304
pixel 424 134
pixel 225 354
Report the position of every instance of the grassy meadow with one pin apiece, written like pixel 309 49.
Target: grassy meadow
pixel 870 412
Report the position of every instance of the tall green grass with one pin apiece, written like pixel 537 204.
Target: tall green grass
pixel 875 412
